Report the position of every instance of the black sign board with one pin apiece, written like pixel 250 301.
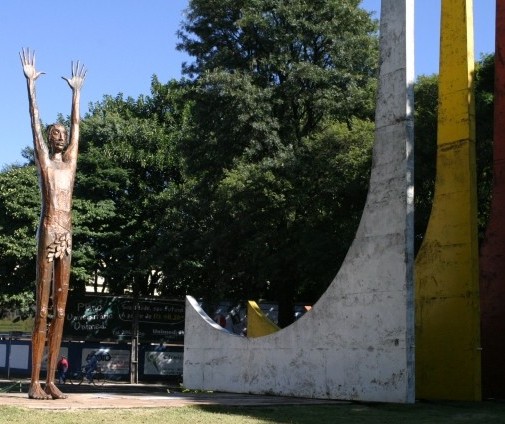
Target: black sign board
pixel 111 318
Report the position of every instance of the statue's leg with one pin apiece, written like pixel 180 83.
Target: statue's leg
pixel 61 282
pixel 44 273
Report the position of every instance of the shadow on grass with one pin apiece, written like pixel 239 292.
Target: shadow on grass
pixel 363 413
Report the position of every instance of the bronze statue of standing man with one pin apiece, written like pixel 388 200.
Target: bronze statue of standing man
pixel 56 166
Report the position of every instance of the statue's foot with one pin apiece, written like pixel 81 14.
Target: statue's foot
pixel 35 392
pixel 54 392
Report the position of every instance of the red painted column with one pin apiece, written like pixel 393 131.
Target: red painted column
pixel 492 256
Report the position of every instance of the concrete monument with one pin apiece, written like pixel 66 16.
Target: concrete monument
pixel 357 342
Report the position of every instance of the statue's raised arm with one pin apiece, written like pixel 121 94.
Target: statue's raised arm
pixel 27 57
pixel 75 82
pixel 28 61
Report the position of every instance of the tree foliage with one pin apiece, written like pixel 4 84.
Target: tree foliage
pixel 19 215
pixel 319 57
pixel 128 171
pixel 280 90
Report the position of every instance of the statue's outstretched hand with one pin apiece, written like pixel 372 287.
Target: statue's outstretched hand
pixel 28 61
pixel 78 76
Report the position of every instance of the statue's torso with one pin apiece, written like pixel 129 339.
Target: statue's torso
pixel 57 180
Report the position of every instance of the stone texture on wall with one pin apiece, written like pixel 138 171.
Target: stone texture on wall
pixel 357 340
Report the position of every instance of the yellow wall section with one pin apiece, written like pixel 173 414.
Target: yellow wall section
pixel 258 324
pixel 446 273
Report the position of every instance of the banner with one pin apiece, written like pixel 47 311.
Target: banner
pixel 163 363
pixel 111 318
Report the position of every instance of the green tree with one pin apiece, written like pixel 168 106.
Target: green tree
pixel 425 151
pixel 292 217
pixel 277 84
pixel 319 56
pixel 19 215
pixel 129 171
pixel 484 109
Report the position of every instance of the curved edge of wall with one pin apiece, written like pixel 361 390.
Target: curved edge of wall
pixel 357 342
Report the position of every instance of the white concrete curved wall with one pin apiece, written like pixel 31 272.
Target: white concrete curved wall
pixel 357 341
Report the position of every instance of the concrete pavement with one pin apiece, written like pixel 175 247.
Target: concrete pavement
pixel 124 396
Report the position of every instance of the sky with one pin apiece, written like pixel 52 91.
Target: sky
pixel 124 43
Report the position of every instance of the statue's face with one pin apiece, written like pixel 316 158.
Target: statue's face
pixel 58 138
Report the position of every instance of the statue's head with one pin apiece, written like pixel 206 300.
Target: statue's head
pixel 57 137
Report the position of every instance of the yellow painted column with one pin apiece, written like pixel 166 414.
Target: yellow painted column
pixel 446 272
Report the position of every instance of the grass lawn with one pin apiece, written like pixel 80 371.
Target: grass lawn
pixel 362 413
